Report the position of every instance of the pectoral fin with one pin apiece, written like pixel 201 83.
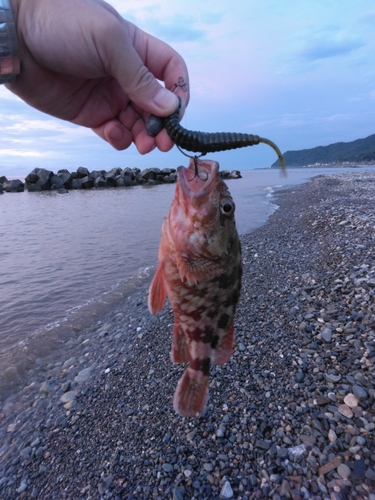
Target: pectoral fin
pixel 157 291
pixel 195 270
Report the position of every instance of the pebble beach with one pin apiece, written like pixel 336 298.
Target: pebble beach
pixel 290 416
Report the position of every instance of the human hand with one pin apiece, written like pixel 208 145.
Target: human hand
pixel 82 62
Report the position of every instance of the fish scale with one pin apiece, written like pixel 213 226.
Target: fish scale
pixel 199 268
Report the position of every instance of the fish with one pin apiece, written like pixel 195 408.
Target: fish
pixel 199 270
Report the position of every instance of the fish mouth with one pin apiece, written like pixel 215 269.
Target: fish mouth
pixel 199 178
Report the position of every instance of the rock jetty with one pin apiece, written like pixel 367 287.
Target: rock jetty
pixel 44 180
pixel 41 179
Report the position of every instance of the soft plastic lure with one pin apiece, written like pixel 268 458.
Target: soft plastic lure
pixel 205 142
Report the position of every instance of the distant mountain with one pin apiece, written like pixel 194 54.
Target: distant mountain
pixel 360 150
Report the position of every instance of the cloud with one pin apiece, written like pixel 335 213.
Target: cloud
pixel 212 17
pixel 27 153
pixel 164 20
pixel 368 18
pixel 20 126
pixel 177 29
pixel 326 45
pixel 30 138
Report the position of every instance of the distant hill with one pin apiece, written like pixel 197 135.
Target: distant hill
pixel 360 150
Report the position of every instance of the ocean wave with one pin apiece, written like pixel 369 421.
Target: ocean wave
pixel 46 344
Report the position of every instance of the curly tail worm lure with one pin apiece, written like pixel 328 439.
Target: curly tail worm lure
pixel 205 142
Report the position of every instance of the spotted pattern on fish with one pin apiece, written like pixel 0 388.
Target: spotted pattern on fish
pixel 200 270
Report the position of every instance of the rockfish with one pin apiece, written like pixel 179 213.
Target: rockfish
pixel 199 268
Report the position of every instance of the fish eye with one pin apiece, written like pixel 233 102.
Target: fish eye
pixel 227 206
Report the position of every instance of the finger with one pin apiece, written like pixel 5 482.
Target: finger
pixel 133 121
pixel 163 142
pixel 114 132
pixel 143 142
pixel 136 60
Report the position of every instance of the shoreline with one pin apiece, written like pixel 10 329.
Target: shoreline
pixel 279 420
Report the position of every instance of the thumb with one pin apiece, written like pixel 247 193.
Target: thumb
pixel 146 92
pixel 141 80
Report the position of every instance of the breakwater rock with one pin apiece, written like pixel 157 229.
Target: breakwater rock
pixel 13 186
pixel 233 174
pixel 41 179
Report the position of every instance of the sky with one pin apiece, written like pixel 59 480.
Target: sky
pixel 300 73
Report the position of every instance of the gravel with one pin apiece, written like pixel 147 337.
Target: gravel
pixel 290 416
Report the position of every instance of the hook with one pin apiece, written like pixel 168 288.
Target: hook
pixel 195 157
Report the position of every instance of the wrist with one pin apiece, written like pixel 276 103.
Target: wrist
pixel 9 51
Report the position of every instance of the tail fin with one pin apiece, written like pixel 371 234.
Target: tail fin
pixel 191 393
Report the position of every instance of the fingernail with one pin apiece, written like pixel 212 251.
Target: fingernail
pixel 166 100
